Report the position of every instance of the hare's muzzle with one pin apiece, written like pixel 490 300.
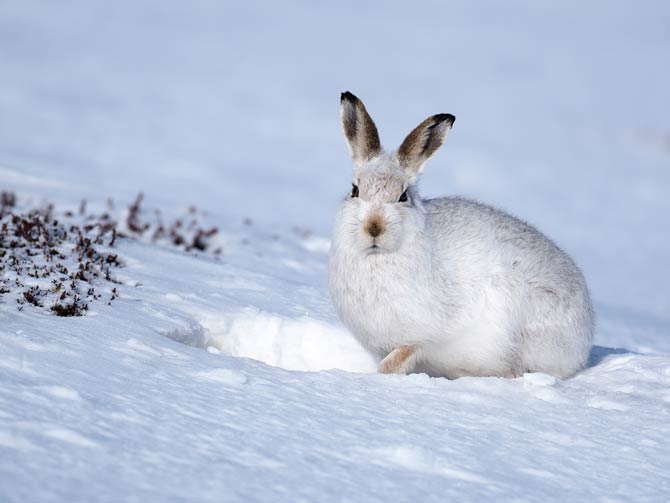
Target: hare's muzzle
pixel 375 226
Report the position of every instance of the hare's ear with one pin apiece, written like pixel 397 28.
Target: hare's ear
pixel 359 129
pixel 423 142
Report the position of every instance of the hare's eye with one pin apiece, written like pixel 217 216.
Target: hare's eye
pixel 354 190
pixel 403 197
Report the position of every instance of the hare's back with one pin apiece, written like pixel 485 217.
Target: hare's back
pixel 478 235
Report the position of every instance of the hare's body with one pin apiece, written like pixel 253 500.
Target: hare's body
pixel 476 292
pixel 448 286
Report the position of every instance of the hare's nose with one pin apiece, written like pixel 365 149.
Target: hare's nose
pixel 374 227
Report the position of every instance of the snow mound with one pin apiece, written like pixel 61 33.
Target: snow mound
pixel 292 343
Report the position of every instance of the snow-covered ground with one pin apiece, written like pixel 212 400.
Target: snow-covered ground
pixel 229 378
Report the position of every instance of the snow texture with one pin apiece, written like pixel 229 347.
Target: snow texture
pixel 230 379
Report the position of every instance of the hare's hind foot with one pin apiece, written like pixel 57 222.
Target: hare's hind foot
pixel 399 361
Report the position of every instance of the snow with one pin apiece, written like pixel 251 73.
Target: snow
pixel 229 378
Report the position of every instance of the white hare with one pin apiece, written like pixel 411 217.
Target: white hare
pixel 447 286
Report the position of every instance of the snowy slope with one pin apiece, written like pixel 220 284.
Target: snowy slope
pixel 230 378
pixel 105 406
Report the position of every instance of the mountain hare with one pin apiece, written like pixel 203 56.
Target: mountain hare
pixel 447 286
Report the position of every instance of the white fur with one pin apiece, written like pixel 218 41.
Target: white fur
pixel 477 291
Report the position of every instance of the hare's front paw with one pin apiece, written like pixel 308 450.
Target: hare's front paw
pixel 399 361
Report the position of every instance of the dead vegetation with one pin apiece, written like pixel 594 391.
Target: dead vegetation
pixel 184 232
pixel 65 263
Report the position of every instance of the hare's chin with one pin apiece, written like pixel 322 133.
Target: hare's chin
pixel 375 249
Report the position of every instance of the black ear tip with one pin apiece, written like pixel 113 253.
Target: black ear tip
pixel 450 119
pixel 347 96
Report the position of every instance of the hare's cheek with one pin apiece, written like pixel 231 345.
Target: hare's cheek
pixel 394 235
pixel 347 223
pixel 414 220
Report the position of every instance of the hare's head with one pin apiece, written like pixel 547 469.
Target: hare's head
pixel 383 208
